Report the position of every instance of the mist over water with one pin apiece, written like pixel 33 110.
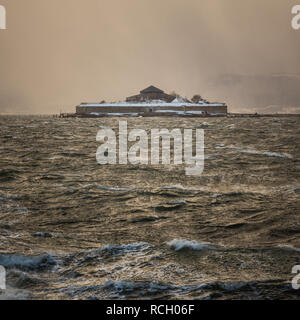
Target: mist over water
pixel 56 54
pixel 73 229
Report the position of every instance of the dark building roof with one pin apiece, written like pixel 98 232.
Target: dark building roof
pixel 151 93
pixel 152 89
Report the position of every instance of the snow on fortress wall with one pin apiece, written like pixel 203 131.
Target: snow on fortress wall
pixel 152 108
pixel 152 101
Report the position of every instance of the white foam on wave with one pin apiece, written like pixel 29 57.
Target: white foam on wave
pixel 278 155
pixel 296 188
pixel 119 288
pixel 115 188
pixel 122 289
pixel 177 202
pixel 61 138
pixel 180 244
pixel 22 262
pixel 137 246
pixel 180 187
pixel 14 294
pixel 137 249
pixel 231 286
pixel 256 152
pixel 127 286
pixel 288 247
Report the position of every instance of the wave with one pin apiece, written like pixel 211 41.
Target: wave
pixel 62 138
pixel 296 189
pixel 124 289
pixel 139 246
pixel 108 250
pixel 24 280
pixel 43 235
pixel 142 190
pixel 288 247
pixel 119 289
pixel 14 294
pixel 279 155
pixel 115 188
pixel 179 187
pixel 180 244
pixel 40 262
pixel 177 202
pixel 128 286
pixel 256 152
pixel 8 174
pixel 97 186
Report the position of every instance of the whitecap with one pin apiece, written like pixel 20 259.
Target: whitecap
pixel 288 247
pixel 137 246
pixel 23 262
pixel 129 286
pixel 179 187
pixel 255 152
pixel 177 202
pixel 180 244
pixel 278 155
pixel 115 188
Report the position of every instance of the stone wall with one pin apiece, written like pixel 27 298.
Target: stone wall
pixel 129 109
pixel 84 110
pixel 216 109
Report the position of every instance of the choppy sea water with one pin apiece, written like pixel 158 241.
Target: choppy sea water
pixel 73 229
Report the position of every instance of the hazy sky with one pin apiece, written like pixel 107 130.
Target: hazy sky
pixel 58 53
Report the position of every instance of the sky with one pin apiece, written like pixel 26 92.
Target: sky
pixel 56 54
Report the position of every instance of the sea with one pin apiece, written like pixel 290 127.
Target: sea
pixel 71 228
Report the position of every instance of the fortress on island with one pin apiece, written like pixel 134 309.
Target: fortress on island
pixel 153 102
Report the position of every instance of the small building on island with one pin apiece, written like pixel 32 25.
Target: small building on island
pixel 149 94
pixel 152 102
